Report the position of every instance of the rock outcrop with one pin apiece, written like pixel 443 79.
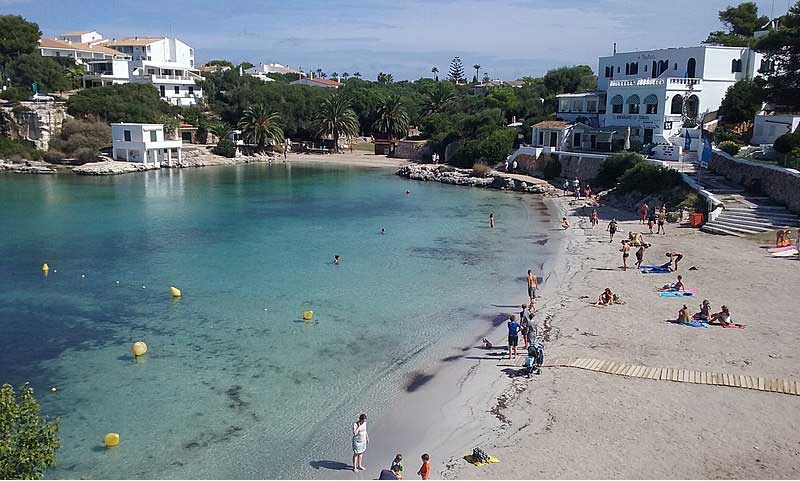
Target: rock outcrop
pixel 36 122
pixel 449 175
pixel 202 156
pixel 27 167
pixel 111 167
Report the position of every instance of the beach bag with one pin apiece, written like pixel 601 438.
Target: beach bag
pixel 479 456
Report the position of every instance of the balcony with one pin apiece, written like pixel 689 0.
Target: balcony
pixel 672 83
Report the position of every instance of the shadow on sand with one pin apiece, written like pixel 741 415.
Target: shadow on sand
pixel 332 465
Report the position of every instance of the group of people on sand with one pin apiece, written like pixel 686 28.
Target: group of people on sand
pixel 578 190
pixel 524 325
pixel 395 471
pixel 652 217
pixel 723 317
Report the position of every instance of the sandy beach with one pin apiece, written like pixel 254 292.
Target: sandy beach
pixel 571 423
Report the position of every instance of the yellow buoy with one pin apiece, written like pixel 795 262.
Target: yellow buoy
pixel 308 315
pixel 175 291
pixel 138 348
pixel 111 440
pixel 45 267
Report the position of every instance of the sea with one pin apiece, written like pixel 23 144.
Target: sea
pixel 236 383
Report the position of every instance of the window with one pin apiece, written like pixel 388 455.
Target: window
pixel 191 90
pixel 634 132
pixel 608 71
pixel 634 68
pixel 153 136
pixel 616 104
pixel 617 69
pixel 633 104
pixel 675 67
pixel 177 90
pixel 677 105
pixel 577 106
pixel 691 68
pixel 576 140
pixel 651 104
pixel 126 134
pixel 736 65
pixel 591 106
pixel 627 69
pixel 692 106
pixel 163 91
pixel 766 66
pixel 541 138
pixel 645 67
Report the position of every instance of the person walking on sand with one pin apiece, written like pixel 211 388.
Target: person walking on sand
pixel 662 217
pixel 513 336
pixel 576 187
pixel 626 252
pixel 612 229
pixel 594 218
pixel 640 255
pixel 425 471
pixel 491 221
pixel 533 283
pixel 587 192
pixel 651 220
pixel 565 186
pixel 360 441
pixel 643 213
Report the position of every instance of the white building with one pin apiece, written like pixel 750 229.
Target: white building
pixel 166 63
pixel 317 82
pixel 652 92
pixel 261 71
pixel 80 52
pixel 86 36
pixel 767 128
pixel 143 143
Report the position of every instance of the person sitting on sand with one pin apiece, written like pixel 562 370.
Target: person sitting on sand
pixel 683 315
pixel 678 286
pixel 617 300
pixel 626 252
pixel 705 312
pixel 487 344
pixel 564 223
pixel 723 317
pixel 612 229
pixel 782 238
pixel 674 257
pixel 606 298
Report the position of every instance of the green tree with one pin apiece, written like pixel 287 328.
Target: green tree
pixel 456 74
pixel 392 118
pixel 260 126
pixel 438 98
pixel 74 75
pixel 385 78
pixel 435 72
pixel 48 73
pixel 133 102
pixel 781 49
pixel 17 37
pixel 570 80
pixel 336 119
pixel 740 22
pixel 742 102
pixel 28 442
pixel 221 63
pixel 615 166
pixel 477 68
pixel 245 65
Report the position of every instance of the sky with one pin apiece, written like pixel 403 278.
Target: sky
pixel 509 39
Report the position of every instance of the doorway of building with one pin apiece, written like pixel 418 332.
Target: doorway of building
pixel 648 136
pixel 553 139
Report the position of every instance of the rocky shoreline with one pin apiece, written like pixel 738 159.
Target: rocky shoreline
pixel 495 180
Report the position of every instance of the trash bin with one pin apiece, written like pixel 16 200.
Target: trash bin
pixel 696 219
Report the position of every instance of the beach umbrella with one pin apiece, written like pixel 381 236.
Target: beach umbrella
pixel 628 139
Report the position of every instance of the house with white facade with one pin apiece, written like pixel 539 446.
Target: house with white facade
pixel 769 126
pixel 656 92
pixel 143 143
pixel 84 36
pixel 81 47
pixel 262 70
pixel 166 63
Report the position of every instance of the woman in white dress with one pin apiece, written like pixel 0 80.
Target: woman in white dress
pixel 360 441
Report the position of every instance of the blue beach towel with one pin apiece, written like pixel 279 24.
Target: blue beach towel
pixel 693 324
pixel 676 294
pixel 655 270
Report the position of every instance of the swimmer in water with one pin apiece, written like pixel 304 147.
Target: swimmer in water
pixel 336 259
pixel 491 221
pixel 383 231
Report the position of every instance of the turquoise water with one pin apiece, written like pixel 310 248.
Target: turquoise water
pixel 236 384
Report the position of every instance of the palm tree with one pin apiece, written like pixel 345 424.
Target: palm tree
pixel 392 118
pixel 435 72
pixel 357 75
pixel 437 99
pixel 260 127
pixel 74 75
pixel 336 118
pixel 477 68
pixel 319 72
pixel 335 75
pixel 345 76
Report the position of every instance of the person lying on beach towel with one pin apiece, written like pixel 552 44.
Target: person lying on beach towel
pixel 678 286
pixel 705 312
pixel 606 298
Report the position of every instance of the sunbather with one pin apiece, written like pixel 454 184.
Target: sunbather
pixel 723 317
pixel 606 298
pixel 683 315
pixel 678 286
pixel 705 311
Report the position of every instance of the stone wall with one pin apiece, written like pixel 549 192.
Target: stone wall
pixel 779 184
pixel 36 122
pixel 580 165
pixel 412 150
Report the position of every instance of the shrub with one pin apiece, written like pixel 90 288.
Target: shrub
pixel 133 102
pixel 225 148
pixel 496 145
pixel 786 143
pixel 18 149
pixel 79 137
pixel 85 155
pixel 648 178
pixel 15 94
pixel 28 443
pixel 481 169
pixel 552 169
pixel 729 147
pixel 615 166
pixel 54 156
pixel 722 134
pixel 465 155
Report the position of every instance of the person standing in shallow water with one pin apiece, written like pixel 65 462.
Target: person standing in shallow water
pixel 360 441
pixel 491 221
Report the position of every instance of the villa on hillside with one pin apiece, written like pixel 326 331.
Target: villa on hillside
pixel 166 63
pixel 81 47
pixel 317 82
pixel 648 97
pixel 143 143
pixel 261 71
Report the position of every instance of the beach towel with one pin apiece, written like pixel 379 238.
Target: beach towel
pixel 470 460
pixel 676 294
pixel 655 270
pixel 781 249
pixel 735 326
pixel 789 253
pixel 692 324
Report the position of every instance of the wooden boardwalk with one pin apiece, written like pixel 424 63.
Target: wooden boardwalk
pixel 758 383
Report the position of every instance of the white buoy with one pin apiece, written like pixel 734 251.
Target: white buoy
pixel 83 275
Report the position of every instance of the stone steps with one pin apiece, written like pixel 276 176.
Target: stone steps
pixel 723 228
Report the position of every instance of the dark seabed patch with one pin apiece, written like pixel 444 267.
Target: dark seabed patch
pixel 416 380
